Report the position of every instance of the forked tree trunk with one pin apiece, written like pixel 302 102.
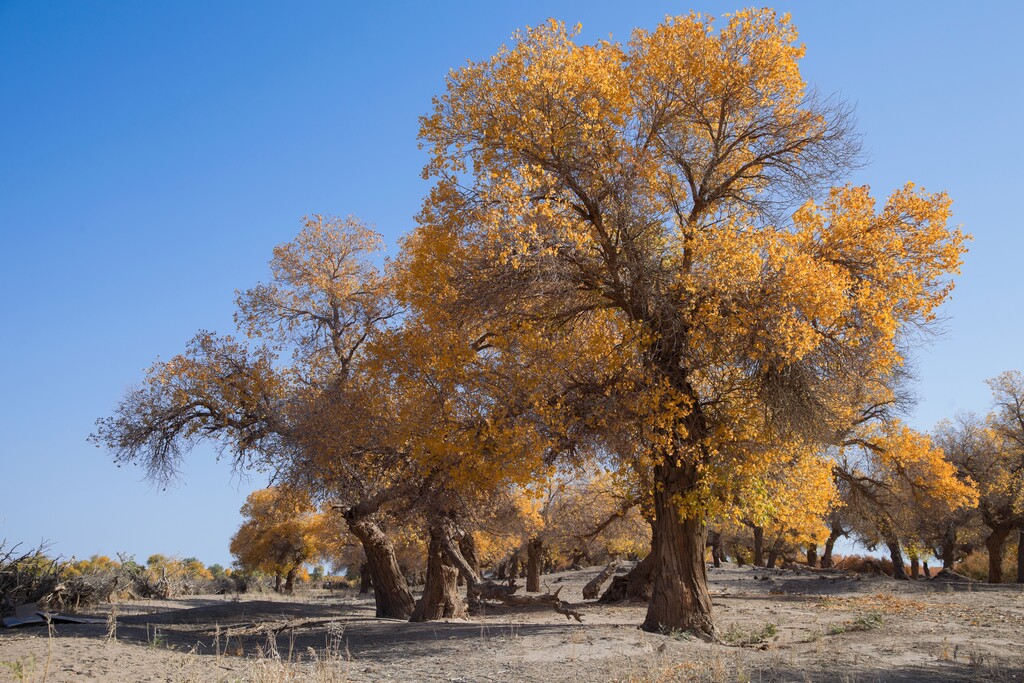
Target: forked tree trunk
pixel 812 555
pixel 533 560
pixel 679 599
pixel 898 570
pixel 1020 556
pixel 830 544
pixel 440 599
pixel 994 543
pixel 390 589
pixel 758 546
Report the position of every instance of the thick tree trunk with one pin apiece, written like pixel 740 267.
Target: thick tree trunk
pixel 812 555
pixel 994 543
pixel 364 578
pixel 948 554
pixel 440 599
pixel 390 589
pixel 533 559
pixel 915 568
pixel 898 570
pixel 289 581
pixel 679 599
pixel 830 544
pixel 1020 556
pixel 758 546
pixel 773 553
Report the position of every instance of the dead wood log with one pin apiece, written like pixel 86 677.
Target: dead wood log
pixel 478 590
pixel 546 600
pixel 593 588
pixel 273 627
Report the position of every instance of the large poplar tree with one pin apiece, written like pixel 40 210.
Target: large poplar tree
pixel 675 192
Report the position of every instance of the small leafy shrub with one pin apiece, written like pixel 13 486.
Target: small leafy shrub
pixel 868 622
pixel 736 635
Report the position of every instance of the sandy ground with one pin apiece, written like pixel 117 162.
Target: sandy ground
pixel 774 625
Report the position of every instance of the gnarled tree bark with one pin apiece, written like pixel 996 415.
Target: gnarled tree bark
pixel 679 598
pixel 593 586
pixel 533 563
pixel 994 543
pixel 1020 556
pixel 390 589
pixel 636 585
pixel 440 599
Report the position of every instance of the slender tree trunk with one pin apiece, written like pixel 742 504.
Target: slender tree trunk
pixel 773 553
pixel 440 599
pixel 948 555
pixel 898 570
pixel 830 544
pixel 738 554
pixel 915 567
pixel 995 542
pixel 1020 556
pixel 927 571
pixel 533 560
pixel 513 567
pixel 390 588
pixel 679 599
pixel 277 582
pixel 758 546
pixel 812 555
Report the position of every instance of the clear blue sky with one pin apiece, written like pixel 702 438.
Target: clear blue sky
pixel 152 154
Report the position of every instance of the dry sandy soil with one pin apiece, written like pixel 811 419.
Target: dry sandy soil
pixel 774 625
